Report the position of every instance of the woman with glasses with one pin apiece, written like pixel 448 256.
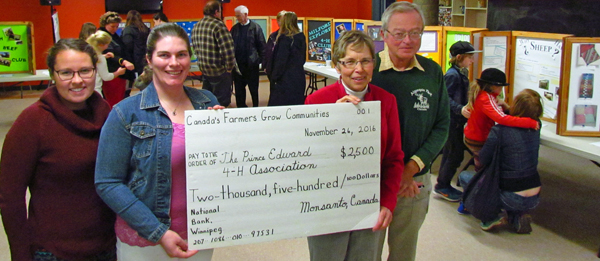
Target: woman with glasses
pixel 114 91
pixel 353 56
pixel 287 64
pixel 51 150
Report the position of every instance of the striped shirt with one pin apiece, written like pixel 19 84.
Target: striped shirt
pixel 213 46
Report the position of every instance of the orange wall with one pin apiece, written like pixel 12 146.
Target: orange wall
pixel 72 14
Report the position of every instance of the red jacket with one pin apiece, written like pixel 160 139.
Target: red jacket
pixel 392 157
pixel 486 112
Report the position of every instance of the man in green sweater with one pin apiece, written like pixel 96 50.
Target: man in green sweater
pixel 424 114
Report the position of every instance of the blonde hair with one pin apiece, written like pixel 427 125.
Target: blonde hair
pixel 475 89
pixel 98 38
pixel 289 25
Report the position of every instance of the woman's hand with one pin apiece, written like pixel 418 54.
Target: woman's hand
pixel 384 220
pixel 175 246
pixel 120 71
pixel 465 112
pixel 216 107
pixel 109 55
pixel 128 65
pixel 349 98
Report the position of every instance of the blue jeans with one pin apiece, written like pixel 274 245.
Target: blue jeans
pixel 514 204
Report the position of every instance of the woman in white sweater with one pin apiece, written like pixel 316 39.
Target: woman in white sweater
pixel 100 41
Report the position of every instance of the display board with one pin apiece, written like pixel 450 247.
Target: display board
pixel 431 41
pixel 17 53
pixel 359 24
pixel 316 171
pixel 264 22
pixel 451 35
pixel 373 29
pixel 319 39
pixel 536 65
pixel 580 88
pixel 496 48
pixel 188 26
pixel 342 25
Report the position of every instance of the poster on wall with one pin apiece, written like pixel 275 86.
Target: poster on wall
pixel 342 25
pixel 16 48
pixel 581 88
pixel 537 64
pixel 430 43
pixel 374 31
pixel 495 52
pixel 319 39
pixel 56 26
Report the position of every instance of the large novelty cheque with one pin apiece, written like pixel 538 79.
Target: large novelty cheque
pixel 271 173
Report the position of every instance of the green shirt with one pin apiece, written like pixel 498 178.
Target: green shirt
pixel 423 108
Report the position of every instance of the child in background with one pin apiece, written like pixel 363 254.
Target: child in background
pixel 519 179
pixel 87 29
pixel 100 41
pixel 486 110
pixel 457 83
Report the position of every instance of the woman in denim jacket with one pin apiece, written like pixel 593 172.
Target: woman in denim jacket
pixel 140 170
pixel 519 179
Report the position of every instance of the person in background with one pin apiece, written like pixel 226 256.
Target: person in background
pixel 213 45
pixel 520 183
pixel 268 53
pixel 114 91
pixel 249 43
pixel 135 35
pixel 142 148
pixel 287 64
pixel 487 110
pixel 51 150
pixel 353 56
pixel 87 29
pixel 100 41
pixel 160 18
pixel 457 83
pixel 424 116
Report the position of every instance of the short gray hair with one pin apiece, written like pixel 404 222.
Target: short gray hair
pixel 400 7
pixel 241 9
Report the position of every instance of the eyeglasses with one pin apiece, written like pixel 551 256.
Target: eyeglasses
pixel 413 35
pixel 84 73
pixel 351 64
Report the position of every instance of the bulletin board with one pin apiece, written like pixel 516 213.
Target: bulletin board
pixel 188 26
pixel 580 88
pixel 17 53
pixel 451 35
pixel 495 48
pixel 320 35
pixel 373 29
pixel 431 41
pixel 342 25
pixel 536 64
pixel 359 24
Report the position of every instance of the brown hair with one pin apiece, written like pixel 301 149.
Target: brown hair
pixel 69 44
pixel 109 18
pixel 289 25
pixel 456 60
pixel 135 18
pixel 87 29
pixel 355 40
pixel 163 30
pixel 528 103
pixel 212 7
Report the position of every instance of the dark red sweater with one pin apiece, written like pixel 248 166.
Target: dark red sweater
pixel 52 151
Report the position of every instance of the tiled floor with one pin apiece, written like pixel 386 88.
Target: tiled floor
pixel 566 223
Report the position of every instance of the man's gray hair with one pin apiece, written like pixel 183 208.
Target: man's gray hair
pixel 242 9
pixel 400 7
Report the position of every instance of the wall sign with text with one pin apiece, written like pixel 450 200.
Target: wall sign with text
pixel 319 39
pixel 16 47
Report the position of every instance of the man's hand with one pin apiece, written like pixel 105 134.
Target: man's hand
pixel 408 187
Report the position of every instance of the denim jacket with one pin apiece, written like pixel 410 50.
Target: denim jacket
pixel 133 167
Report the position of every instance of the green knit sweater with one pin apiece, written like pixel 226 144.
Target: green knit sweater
pixel 423 108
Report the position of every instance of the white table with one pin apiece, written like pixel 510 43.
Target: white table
pixel 40 75
pixel 580 146
pixel 318 69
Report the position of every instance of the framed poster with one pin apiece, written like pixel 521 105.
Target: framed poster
pixel 580 92
pixel 495 48
pixel 431 40
pixel 451 35
pixel 319 39
pixel 342 25
pixel 359 24
pixel 536 65
pixel 17 54
pixel 373 29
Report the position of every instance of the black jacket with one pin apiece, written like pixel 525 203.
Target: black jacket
pixel 117 47
pixel 255 42
pixel 288 81
pixel 135 46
